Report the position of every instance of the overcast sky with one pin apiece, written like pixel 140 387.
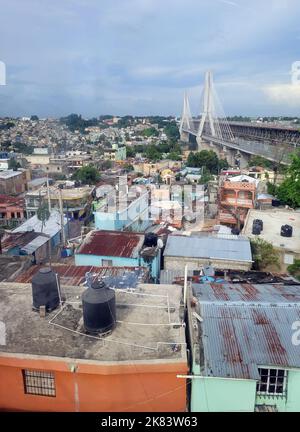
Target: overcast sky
pixel 137 56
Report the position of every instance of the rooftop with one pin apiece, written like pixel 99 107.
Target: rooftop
pixel 9 174
pixel 244 327
pixel 7 201
pixel 116 277
pixel 146 329
pixel 51 227
pixel 22 240
pixel 273 219
pixel 112 243
pixel 232 248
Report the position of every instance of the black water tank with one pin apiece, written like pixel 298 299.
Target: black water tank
pixel 150 239
pixel 99 308
pixel 45 289
pixel 235 231
pixel 256 229
pixel 259 222
pixel 275 203
pixel 286 231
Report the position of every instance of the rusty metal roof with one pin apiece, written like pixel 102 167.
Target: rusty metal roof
pixel 112 243
pixel 118 277
pixel 246 292
pixel 244 328
pixel 18 239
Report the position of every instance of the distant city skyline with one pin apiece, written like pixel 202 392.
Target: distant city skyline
pixel 136 57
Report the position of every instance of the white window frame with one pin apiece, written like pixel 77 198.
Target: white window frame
pixel 267 392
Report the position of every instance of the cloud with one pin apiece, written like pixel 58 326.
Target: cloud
pixel 285 94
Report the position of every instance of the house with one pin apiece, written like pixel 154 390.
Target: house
pixel 13 182
pixel 46 365
pixel 237 196
pixel 50 228
pixel 226 253
pixel 27 243
pixel 273 219
pixel 120 249
pixel 12 211
pixel 118 211
pixel 116 153
pixel 244 347
pixel 75 200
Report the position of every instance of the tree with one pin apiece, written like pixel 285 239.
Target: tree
pixel 205 177
pixel 294 269
pixel 289 190
pixel 204 158
pixel 130 152
pixel 43 213
pixel 260 161
pixel 152 153
pixel 87 175
pixel 172 131
pixel 264 254
pixel 175 156
pixel 150 132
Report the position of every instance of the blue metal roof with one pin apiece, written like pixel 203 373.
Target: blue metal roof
pixel 244 328
pixel 232 248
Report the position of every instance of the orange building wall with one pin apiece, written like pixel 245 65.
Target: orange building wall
pixel 142 387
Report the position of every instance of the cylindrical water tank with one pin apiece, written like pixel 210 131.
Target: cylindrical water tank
pixel 45 289
pixel 286 231
pixel 99 308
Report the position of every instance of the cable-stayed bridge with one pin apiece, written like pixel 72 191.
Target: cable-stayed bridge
pixel 236 141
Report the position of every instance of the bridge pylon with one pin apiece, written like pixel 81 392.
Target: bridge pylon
pixel 213 122
pixel 186 122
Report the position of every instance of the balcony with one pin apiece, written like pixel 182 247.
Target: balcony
pixel 237 202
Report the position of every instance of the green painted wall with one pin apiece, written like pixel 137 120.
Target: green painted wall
pixel 222 395
pixel 292 402
pixel 229 395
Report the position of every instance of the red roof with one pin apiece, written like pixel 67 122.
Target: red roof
pixel 112 243
pixel 8 201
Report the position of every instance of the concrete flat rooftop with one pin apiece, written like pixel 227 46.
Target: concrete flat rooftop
pixel 273 220
pixel 146 328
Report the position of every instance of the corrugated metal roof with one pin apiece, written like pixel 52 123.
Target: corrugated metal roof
pixel 118 277
pixel 18 239
pixel 209 247
pixel 35 244
pixel 244 328
pixel 249 293
pixel 51 227
pixel 112 243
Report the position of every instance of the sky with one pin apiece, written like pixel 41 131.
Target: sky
pixel 138 57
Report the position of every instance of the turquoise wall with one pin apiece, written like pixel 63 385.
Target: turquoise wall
pixel 230 395
pixel 222 395
pixel 96 260
pixel 119 220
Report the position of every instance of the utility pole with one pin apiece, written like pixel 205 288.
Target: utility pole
pixel 62 218
pixel 48 195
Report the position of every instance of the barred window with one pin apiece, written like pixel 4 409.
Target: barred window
pixel 272 382
pixel 39 383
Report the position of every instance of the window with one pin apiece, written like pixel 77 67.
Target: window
pixel 288 259
pixel 107 263
pixel 39 383
pixel 272 382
